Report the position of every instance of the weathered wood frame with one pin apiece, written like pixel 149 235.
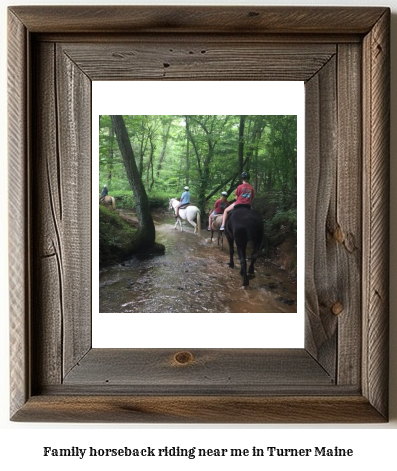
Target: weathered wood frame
pixel 342 54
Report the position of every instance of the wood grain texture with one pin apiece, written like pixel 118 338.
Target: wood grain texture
pixel 321 278
pixel 227 369
pixel 199 409
pixel 140 59
pixel 199 19
pixel 19 226
pixel 74 134
pixel 333 215
pixel 376 91
pixel 346 226
pixel 47 259
pixel 63 222
pixel 341 376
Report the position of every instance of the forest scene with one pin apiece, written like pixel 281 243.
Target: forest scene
pixel 144 161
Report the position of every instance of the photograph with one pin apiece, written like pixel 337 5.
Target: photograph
pixel 192 208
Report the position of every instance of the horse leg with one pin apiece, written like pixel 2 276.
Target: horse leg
pixel 231 251
pixel 243 263
pixel 254 256
pixel 192 223
pixel 178 221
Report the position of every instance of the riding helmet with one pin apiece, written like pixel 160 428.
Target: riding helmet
pixel 245 176
pixel 224 193
pixel 186 188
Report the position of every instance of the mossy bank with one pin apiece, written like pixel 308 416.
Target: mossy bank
pixel 119 239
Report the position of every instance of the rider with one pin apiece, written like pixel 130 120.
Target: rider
pixel 104 192
pixel 185 199
pixel 244 195
pixel 219 207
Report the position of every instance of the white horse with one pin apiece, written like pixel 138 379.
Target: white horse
pixel 191 214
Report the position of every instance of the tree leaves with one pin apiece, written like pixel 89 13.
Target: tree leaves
pixel 207 152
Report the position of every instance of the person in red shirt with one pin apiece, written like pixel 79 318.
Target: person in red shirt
pixel 219 207
pixel 244 195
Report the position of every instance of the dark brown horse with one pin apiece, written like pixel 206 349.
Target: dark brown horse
pixel 244 225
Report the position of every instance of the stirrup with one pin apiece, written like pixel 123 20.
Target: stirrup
pixel 222 228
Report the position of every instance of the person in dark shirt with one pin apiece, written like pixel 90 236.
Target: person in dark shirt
pixel 244 195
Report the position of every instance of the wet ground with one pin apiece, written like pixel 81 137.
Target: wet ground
pixel 192 276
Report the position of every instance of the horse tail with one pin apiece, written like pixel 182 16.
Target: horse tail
pixel 198 223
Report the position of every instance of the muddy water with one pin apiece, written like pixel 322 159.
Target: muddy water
pixel 192 276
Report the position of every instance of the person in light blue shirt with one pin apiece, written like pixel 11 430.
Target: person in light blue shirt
pixel 185 199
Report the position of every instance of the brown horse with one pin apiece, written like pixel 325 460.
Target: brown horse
pixel 108 201
pixel 215 225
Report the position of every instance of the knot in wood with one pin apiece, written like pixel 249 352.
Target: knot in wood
pixel 337 308
pixel 183 358
pixel 338 235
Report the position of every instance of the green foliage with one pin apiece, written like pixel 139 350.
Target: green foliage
pixel 285 219
pixel 158 200
pixel 202 151
pixel 124 199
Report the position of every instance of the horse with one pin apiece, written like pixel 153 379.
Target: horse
pixel 244 225
pixel 190 214
pixel 215 225
pixel 108 201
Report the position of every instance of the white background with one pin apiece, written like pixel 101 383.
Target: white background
pixel 228 330
pixel 21 444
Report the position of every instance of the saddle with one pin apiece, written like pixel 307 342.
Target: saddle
pixel 241 206
pixel 183 206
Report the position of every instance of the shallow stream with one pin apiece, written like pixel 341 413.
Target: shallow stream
pixel 192 276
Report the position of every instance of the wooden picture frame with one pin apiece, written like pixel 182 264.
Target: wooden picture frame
pixel 342 54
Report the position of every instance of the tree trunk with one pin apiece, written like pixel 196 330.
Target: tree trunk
pixel 110 157
pixel 165 140
pixel 147 230
pixel 241 144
